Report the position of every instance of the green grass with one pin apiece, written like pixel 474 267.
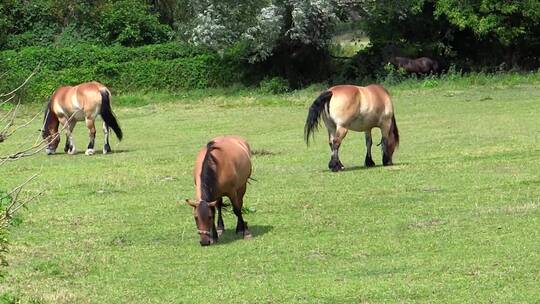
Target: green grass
pixel 454 220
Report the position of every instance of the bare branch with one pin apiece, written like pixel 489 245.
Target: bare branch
pixel 15 204
pixel 8 134
pixel 15 200
pixel 23 84
pixel 7 100
pixel 36 148
pixel 8 121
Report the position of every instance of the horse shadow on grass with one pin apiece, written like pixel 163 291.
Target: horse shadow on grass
pixel 229 235
pixel 97 152
pixel 362 167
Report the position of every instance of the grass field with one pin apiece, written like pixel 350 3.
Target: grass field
pixel 455 220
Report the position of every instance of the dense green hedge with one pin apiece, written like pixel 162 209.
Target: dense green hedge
pixel 170 67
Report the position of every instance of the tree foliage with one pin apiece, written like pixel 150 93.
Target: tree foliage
pixel 69 22
pixel 290 38
pixel 476 34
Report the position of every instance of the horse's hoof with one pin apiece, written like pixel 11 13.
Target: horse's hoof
pixel 219 233
pixel 49 151
pixel 106 149
pixel 369 163
pixel 72 151
pixel 89 152
pixel 335 165
pixel 248 235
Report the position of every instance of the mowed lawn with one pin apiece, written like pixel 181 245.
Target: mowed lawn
pixel 455 220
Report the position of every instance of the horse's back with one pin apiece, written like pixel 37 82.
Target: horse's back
pixel 89 94
pixel 359 108
pixel 428 65
pixel 236 155
pixel 232 156
pixel 376 105
pixel 344 104
pixel 83 100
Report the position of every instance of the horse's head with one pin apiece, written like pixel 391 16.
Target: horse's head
pixel 49 131
pixel 204 219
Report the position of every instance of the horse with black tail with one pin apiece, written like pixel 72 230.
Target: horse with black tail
pixel 70 104
pixel 349 107
pixel 222 168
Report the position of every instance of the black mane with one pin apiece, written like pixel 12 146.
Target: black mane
pixel 47 119
pixel 208 174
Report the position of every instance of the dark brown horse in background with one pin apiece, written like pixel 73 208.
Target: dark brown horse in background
pixel 420 66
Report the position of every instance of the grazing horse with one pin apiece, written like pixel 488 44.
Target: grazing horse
pixel 349 107
pixel 423 65
pixel 222 168
pixel 70 104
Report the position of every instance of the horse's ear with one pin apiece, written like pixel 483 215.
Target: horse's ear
pixel 191 203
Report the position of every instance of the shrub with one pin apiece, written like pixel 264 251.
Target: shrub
pixel 169 67
pixel 275 85
pixel 128 22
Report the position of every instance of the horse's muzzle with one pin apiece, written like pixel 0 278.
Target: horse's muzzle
pixel 206 242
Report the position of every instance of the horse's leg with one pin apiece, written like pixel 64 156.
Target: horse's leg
pixel 91 134
pixel 369 142
pixel 385 133
pixel 237 202
pixel 63 122
pixel 69 126
pixel 215 235
pixel 220 226
pixel 106 146
pixel 67 146
pixel 331 128
pixel 335 142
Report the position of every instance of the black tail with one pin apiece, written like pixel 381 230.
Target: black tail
pixel 314 114
pixel 395 131
pixel 108 115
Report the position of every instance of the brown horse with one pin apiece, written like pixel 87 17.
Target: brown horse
pixel 349 107
pixel 423 65
pixel 222 168
pixel 70 104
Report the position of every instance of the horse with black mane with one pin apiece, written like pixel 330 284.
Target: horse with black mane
pixel 70 104
pixel 422 65
pixel 222 168
pixel 349 107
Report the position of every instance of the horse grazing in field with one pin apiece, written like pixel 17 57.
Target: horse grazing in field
pixel 222 168
pixel 423 65
pixel 70 104
pixel 349 107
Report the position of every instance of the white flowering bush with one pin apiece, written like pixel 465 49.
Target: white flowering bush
pixel 262 28
pixel 312 21
pixel 210 29
pixel 264 35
